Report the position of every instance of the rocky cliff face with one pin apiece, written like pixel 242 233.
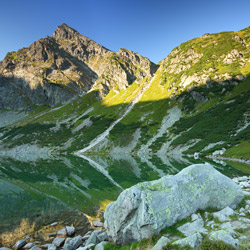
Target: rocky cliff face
pixel 67 65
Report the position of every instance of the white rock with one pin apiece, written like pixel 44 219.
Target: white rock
pixel 246 207
pixel 244 184
pixel 58 241
pixel 226 225
pixel 242 210
pixel 51 247
pixel 135 214
pixel 100 246
pixel 96 237
pixel 97 224
pixel 35 248
pixel 54 224
pixel 223 214
pixel 242 214
pixel 193 241
pixel 243 238
pixel 161 243
pixel 246 193
pixel 68 240
pixel 62 232
pixel 5 248
pixel 225 236
pixel 244 220
pixel 29 245
pixel 76 241
pixel 19 244
pixel 70 230
pixel 243 178
pixel 189 229
pixel 194 217
pixel 248 202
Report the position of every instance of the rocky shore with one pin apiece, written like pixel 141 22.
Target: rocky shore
pixel 217 212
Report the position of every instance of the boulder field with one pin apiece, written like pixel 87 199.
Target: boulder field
pixel 147 208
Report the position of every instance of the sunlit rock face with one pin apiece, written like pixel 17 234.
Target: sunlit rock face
pixel 146 208
pixel 57 69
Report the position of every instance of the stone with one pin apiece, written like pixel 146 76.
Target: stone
pixel 161 243
pixel 68 247
pixel 194 217
pixel 245 220
pixel 223 215
pixel 70 230
pixel 58 241
pixel 189 229
pixel 96 237
pixel 226 225
pixel 90 246
pixel 242 214
pixel 225 236
pixel 236 224
pixel 146 208
pixel 100 246
pixel 19 244
pixel 243 238
pixel 62 232
pixel 76 241
pixel 242 178
pixel 193 241
pixel 4 248
pixel 97 224
pixel 35 248
pixel 54 224
pixel 242 210
pixel 27 237
pixel 68 240
pixel 29 245
pixel 244 184
pixel 51 247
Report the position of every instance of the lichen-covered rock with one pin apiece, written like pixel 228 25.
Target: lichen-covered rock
pixel 224 214
pixel 146 208
pixel 227 236
pixel 193 241
pixel 161 243
pixel 189 229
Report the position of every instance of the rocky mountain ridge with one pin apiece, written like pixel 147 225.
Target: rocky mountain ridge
pixel 67 65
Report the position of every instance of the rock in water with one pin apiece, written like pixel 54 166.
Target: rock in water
pixel 146 208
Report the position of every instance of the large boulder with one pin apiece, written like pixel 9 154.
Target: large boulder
pixel 146 208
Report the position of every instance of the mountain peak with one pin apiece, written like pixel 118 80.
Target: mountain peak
pixel 63 31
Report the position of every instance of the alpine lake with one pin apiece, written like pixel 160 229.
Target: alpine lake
pixel 41 192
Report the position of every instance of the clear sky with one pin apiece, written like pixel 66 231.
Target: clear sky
pixel 150 27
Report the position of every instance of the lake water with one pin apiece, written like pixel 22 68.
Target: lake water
pixel 36 191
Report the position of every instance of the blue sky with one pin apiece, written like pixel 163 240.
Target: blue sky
pixel 150 27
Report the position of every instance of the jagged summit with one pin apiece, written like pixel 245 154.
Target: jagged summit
pixel 67 65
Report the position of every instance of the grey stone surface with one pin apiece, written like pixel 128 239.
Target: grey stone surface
pixel 225 236
pixel 224 214
pixel 51 247
pixel 68 240
pixel 146 208
pixel 70 230
pixel 193 241
pixel 100 246
pixel 28 245
pixel 96 237
pixel 62 232
pixel 226 225
pixel 191 228
pixel 19 244
pixel 76 241
pixel 68 247
pixel 4 248
pixel 161 243
pixel 97 224
pixel 58 241
pixel 35 248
